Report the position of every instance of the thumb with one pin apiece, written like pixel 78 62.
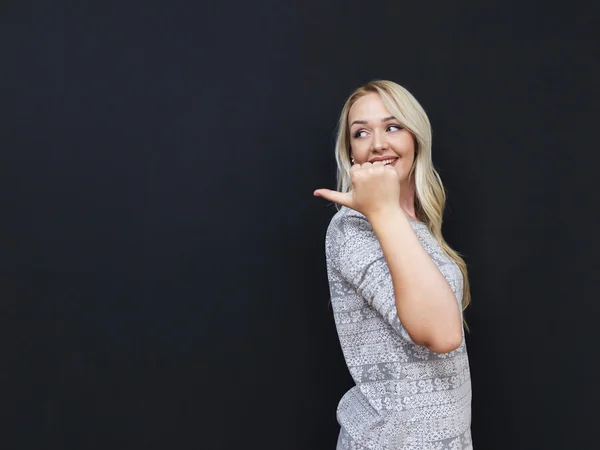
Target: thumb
pixel 341 198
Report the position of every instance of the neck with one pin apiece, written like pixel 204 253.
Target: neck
pixel 407 198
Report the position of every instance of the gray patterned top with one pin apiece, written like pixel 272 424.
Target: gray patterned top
pixel 406 396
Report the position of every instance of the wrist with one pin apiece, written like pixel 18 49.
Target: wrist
pixel 386 216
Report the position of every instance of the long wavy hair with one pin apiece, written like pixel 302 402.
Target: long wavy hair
pixel 430 195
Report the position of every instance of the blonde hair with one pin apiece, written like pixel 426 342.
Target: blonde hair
pixel 430 196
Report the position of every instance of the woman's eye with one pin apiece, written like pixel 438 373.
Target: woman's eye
pixel 394 128
pixel 360 134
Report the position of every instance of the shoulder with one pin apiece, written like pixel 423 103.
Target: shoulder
pixel 347 220
pixel 348 231
pixel 351 242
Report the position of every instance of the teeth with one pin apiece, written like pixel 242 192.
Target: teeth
pixel 388 161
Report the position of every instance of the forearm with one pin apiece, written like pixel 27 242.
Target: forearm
pixel 426 305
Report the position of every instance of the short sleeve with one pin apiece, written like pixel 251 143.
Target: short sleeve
pixel 361 263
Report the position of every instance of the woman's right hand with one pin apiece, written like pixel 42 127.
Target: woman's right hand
pixel 375 190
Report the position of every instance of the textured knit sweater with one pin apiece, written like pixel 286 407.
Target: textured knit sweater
pixel 406 396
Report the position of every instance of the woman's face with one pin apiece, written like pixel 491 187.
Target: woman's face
pixel 375 135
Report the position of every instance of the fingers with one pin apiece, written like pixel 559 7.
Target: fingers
pixel 367 167
pixel 341 198
pixel 359 167
pixel 380 164
pixel 354 168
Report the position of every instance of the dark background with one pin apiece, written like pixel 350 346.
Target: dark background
pixel 163 274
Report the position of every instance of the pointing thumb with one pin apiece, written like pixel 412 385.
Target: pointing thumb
pixel 341 198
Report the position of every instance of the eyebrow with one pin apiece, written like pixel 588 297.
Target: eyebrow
pixel 364 122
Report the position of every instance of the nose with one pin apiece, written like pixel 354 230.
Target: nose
pixel 379 142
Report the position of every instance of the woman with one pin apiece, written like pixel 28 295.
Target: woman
pixel 397 289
